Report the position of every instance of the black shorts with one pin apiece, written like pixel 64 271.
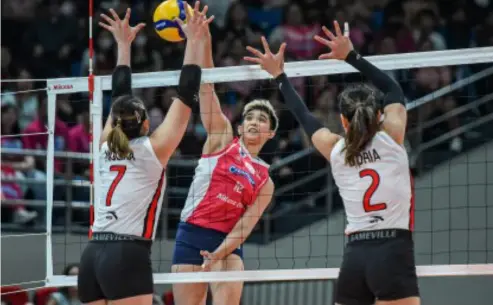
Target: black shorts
pixel 114 267
pixel 377 265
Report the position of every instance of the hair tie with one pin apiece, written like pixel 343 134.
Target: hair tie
pixel 119 122
pixel 137 116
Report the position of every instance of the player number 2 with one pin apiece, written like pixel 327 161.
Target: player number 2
pixel 120 169
pixel 375 181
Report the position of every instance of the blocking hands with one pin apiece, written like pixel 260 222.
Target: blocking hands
pixel 339 44
pixel 121 29
pixel 270 62
pixel 197 26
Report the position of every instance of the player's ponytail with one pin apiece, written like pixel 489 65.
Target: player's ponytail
pixel 362 128
pixel 358 106
pixel 118 142
pixel 128 114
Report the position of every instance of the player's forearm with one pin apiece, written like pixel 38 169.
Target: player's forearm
pixel 121 81
pixel 211 113
pixel 172 133
pixel 192 52
pixel 208 58
pixel 297 107
pixel 123 54
pixel 392 90
pixel 210 108
pixel 235 238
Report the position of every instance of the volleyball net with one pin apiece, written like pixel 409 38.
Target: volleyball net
pixel 301 235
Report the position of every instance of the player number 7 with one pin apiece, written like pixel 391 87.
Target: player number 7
pixel 120 169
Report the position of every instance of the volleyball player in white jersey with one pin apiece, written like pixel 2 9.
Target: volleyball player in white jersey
pixel 230 191
pixel 370 167
pixel 116 265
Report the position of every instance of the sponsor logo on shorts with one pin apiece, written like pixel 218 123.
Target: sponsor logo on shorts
pixel 371 235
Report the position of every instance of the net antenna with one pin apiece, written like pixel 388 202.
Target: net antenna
pixel 244 73
pixel 90 84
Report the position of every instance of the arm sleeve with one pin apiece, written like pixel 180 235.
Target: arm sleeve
pixel 297 107
pixel 392 91
pixel 121 81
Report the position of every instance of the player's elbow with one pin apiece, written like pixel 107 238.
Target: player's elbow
pixel 395 95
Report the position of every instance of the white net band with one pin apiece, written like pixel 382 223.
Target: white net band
pixel 285 275
pixel 292 69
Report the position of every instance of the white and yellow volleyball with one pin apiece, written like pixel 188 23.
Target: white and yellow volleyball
pixel 164 17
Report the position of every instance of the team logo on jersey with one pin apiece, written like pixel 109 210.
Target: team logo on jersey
pixel 111 216
pixel 376 218
pixel 238 171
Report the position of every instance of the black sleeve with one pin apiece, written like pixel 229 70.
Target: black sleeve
pixel 392 91
pixel 121 81
pixel 297 107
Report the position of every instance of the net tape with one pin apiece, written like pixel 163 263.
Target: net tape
pixel 292 69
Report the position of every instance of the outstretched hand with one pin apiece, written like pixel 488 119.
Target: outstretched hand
pixel 197 25
pixel 272 63
pixel 121 29
pixel 340 44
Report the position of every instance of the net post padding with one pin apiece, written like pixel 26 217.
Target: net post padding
pixel 292 69
pixel 284 275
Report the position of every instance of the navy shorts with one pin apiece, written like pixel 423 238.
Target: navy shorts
pixel 377 265
pixel 191 239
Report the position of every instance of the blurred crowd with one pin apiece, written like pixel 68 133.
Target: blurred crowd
pixel 49 38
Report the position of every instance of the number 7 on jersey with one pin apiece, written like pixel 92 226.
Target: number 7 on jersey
pixel 120 169
pixel 375 181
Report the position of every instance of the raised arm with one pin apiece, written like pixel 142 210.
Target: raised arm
pixel 168 135
pixel 121 80
pixel 395 113
pixel 323 139
pixel 217 125
pixel 242 229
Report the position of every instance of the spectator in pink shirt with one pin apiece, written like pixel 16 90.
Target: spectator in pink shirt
pixel 40 141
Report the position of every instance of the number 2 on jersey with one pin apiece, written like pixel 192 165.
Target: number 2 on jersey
pixel 120 169
pixel 375 181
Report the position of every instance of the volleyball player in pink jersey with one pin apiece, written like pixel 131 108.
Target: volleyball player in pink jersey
pixel 230 190
pixel 371 169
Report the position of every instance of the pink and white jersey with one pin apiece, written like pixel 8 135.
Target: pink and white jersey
pixel 224 186
pixel 377 194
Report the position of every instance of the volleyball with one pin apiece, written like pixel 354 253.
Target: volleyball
pixel 164 16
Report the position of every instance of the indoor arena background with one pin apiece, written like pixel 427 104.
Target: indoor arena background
pixel 453 174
